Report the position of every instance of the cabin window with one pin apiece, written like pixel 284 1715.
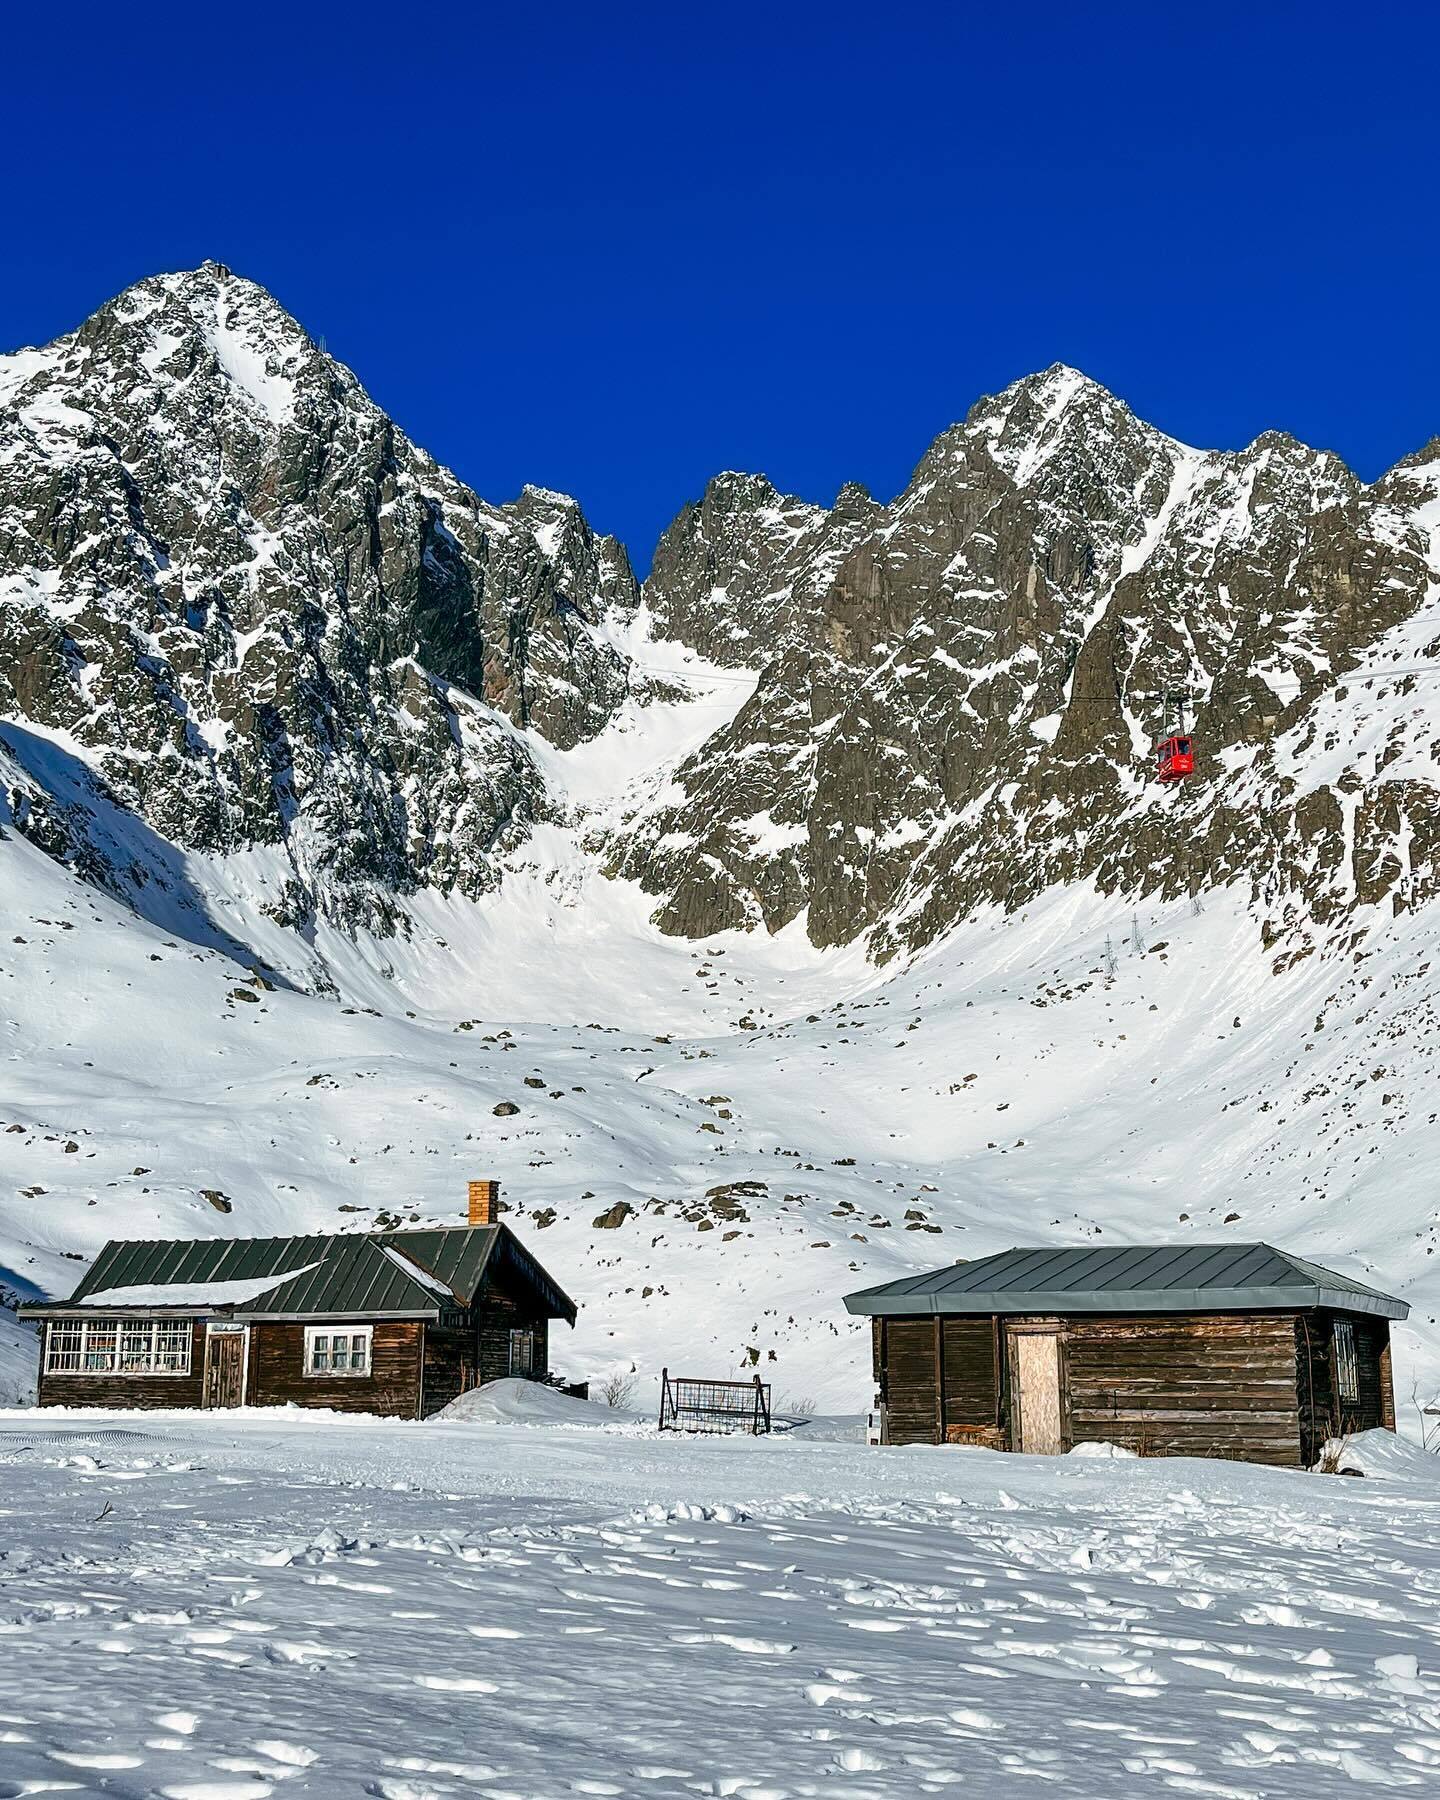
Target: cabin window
pixel 1347 1375
pixel 332 1352
pixel 522 1352
pixel 118 1347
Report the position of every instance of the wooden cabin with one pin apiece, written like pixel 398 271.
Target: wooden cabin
pixel 1234 1350
pixel 396 1322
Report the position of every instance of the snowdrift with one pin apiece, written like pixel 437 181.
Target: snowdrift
pixel 517 1402
pixel 1383 1454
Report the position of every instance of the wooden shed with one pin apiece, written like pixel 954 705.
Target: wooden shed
pixel 1169 1349
pixel 396 1322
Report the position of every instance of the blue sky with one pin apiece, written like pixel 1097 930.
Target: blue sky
pixel 613 250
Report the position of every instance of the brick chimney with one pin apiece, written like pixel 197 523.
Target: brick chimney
pixel 484 1203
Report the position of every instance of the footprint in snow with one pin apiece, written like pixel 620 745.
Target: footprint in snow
pixel 854 1759
pixel 425 1765
pixel 280 1750
pixel 238 1789
pixel 94 1759
pixel 748 1646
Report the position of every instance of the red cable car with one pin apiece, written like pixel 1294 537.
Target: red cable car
pixel 1174 759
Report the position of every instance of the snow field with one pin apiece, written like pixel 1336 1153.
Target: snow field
pixel 267 1604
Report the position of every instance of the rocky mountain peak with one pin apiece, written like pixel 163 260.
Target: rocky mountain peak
pixel 210 325
pixel 723 579
pixel 245 608
pixel 958 707
pixel 252 605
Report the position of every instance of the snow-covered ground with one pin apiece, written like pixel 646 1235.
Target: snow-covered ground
pixel 213 1608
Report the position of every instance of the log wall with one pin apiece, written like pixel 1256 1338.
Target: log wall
pixel 1244 1385
pixel 1322 1413
pixel 502 1312
pixel 937 1379
pixel 449 1366
pixel 452 1361
pixel 1185 1384
pixel 908 1388
pixel 277 1370
pixel 149 1391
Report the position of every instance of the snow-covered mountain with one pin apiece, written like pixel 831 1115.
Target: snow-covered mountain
pixel 812 904
pixel 957 692
pixel 238 593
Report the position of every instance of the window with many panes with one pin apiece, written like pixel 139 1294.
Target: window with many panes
pixel 522 1352
pixel 118 1347
pixel 337 1350
pixel 1347 1375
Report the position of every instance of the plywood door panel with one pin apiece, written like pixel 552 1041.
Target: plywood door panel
pixel 1035 1368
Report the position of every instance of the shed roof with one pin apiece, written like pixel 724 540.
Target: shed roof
pixel 1141 1278
pixel 393 1274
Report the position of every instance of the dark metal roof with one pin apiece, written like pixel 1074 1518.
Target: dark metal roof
pixel 168 1262
pixel 374 1274
pixel 460 1255
pixel 1118 1279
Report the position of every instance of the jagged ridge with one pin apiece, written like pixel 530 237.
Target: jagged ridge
pixel 957 691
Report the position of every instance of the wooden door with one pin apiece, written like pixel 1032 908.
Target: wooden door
pixel 224 1367
pixel 1035 1414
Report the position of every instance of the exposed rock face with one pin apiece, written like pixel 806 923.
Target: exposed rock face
pixel 253 605
pixel 746 568
pixel 234 596
pixel 958 709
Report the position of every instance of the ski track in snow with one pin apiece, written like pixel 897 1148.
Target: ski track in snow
pixel 264 1605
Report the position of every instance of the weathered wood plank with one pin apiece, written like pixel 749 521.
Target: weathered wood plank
pixel 1324 1412
pixel 449 1362
pixel 908 1381
pixel 971 1377
pixel 501 1311
pixel 1196 1383
pixel 392 1387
